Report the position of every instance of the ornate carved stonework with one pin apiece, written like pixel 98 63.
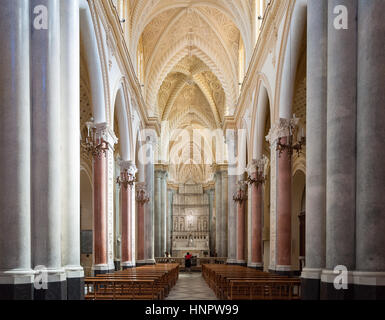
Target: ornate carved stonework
pixel 142 195
pixel 281 129
pixel 241 194
pixel 191 221
pixel 127 176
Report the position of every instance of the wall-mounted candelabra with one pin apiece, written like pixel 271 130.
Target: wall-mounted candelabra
pixel 257 171
pixel 290 145
pixel 241 194
pixel 93 142
pixel 257 177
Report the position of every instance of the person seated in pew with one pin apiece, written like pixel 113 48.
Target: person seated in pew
pixel 187 262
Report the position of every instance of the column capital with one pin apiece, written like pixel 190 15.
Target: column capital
pixel 282 128
pixel 142 195
pixel 127 175
pixel 257 170
pixel 241 194
pixel 104 131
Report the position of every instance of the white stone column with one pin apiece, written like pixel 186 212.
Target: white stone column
pixel 212 230
pixel 169 220
pixel 70 124
pixel 164 213
pixel 158 212
pixel 46 150
pixel 369 279
pixel 149 206
pixel 219 213
pixel 111 139
pixel 16 275
pixel 232 175
pixel 224 217
pixel 315 149
pixel 341 150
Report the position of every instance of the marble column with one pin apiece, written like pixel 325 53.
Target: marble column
pixel 142 198
pixel 126 181
pixel 212 221
pixel 369 277
pixel 160 210
pixel 284 210
pixel 224 216
pixel 315 149
pixel 164 213
pixel 341 150
pixel 100 264
pixel 70 118
pixel 170 193
pixel 240 198
pixel 256 180
pixel 46 152
pixel 16 275
pixel 158 213
pixel 232 219
pixel 149 206
pixel 218 208
pixel 103 173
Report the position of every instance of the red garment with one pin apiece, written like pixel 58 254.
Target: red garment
pixel 188 256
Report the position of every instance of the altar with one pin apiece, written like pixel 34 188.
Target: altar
pixel 191 232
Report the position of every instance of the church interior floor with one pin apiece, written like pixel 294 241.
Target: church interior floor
pixel 191 286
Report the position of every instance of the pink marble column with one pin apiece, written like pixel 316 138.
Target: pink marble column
pixel 126 225
pixel 141 198
pixel 100 213
pixel 240 197
pixel 256 221
pixel 126 181
pixel 284 211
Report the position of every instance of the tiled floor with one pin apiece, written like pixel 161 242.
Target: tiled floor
pixel 191 286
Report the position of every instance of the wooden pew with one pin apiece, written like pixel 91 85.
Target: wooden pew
pixel 146 283
pixel 240 283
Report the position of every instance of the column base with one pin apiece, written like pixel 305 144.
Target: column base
pixel 255 265
pixel 231 261
pixel 16 285
pixel 283 270
pixel 23 291
pixel 328 290
pixel 128 265
pixel 242 263
pixel 75 283
pixel 310 284
pixel 140 263
pixel 101 269
pixel 56 286
pixel 150 261
pixel 369 285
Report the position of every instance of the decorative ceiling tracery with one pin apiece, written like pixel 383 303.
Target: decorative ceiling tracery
pixel 191 63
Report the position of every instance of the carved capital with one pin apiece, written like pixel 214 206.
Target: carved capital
pixel 241 194
pixel 127 176
pixel 104 132
pixel 142 195
pixel 283 128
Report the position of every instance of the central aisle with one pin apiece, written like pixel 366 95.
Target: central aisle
pixel 191 286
